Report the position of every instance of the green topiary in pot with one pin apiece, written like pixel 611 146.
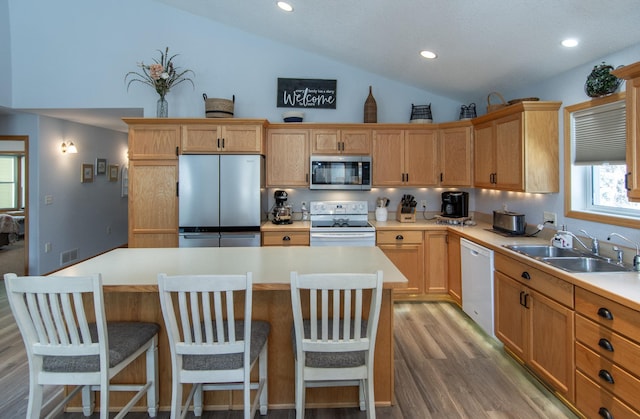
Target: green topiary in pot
pixel 601 82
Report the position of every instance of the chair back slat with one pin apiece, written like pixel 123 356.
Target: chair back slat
pixel 205 321
pixel 231 315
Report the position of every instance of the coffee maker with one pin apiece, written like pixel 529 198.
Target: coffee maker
pixel 455 204
pixel 281 211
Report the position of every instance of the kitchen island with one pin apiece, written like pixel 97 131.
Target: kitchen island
pixel 130 284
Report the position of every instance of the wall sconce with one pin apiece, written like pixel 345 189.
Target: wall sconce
pixel 68 148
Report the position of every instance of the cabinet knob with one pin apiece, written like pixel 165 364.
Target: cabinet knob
pixel 399 237
pixel 286 238
pixel 605 344
pixel 526 275
pixel 605 313
pixel 604 412
pixel 606 376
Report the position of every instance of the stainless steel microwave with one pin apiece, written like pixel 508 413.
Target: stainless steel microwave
pixel 340 172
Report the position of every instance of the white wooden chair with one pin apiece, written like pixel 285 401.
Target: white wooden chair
pixel 334 337
pixel 64 348
pixel 211 347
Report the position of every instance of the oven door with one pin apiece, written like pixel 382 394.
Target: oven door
pixel 335 238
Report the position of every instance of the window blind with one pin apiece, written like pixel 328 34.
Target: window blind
pixel 599 135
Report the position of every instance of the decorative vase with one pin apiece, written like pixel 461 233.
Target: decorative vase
pixel 162 109
pixel 370 109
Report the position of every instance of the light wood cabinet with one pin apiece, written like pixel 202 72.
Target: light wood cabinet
pixel 435 262
pixel 534 319
pixel 287 158
pixel 154 142
pixel 153 183
pixel 454 260
pixel 631 73
pixel 153 203
pixel 455 154
pixel 607 353
pixel 217 137
pixel 406 251
pixel 517 149
pixel 405 157
pixel 285 238
pixel 352 141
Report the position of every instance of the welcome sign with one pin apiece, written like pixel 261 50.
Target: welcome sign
pixel 306 93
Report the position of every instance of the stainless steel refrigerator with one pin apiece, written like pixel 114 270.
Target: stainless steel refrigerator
pixel 221 200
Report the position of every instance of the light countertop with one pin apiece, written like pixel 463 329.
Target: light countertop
pixel 137 269
pixel 622 287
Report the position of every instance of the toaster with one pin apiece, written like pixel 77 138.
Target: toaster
pixel 509 222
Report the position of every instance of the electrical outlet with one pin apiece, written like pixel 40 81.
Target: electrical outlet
pixel 550 217
pixel 47 247
pixel 423 204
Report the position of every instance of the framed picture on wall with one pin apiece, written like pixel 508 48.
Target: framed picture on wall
pixel 113 172
pixel 101 166
pixel 86 175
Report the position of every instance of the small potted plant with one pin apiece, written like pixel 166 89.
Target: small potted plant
pixel 601 82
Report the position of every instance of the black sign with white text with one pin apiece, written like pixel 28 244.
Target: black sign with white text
pixel 306 93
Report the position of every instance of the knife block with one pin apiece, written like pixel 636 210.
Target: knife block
pixel 405 217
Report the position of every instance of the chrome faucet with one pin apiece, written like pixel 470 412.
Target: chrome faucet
pixel 565 231
pixel 636 258
pixel 595 244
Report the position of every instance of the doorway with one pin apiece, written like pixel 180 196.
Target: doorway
pixel 14 185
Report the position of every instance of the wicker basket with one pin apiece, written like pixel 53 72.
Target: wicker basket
pixel 370 108
pixel 495 106
pixel 218 108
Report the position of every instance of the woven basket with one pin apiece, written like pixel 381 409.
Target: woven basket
pixel 495 106
pixel 370 108
pixel 218 108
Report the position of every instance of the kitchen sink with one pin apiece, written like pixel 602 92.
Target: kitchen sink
pixel 584 264
pixel 570 260
pixel 543 251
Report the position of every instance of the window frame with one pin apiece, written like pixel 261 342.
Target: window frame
pixel 19 181
pixel 577 173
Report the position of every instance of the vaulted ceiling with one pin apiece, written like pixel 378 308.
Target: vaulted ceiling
pixel 481 45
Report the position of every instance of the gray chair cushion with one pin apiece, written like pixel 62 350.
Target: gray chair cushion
pixel 124 339
pixel 259 332
pixel 330 359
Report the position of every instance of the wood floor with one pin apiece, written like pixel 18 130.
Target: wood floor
pixel 445 368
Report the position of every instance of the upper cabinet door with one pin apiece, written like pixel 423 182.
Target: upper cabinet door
pixel 508 153
pixel 341 141
pixel 154 142
pixel 484 155
pixel 455 156
pixel 212 138
pixel 388 157
pixel 287 158
pixel 421 158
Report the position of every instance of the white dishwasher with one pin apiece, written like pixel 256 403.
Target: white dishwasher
pixel 477 284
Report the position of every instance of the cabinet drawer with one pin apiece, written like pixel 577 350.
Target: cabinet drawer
pixel 608 375
pixel 608 344
pixel 594 402
pixel 555 288
pixel 399 237
pixel 281 238
pixel 603 311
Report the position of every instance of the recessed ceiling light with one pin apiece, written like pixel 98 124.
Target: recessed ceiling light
pixel 285 6
pixel 570 43
pixel 428 54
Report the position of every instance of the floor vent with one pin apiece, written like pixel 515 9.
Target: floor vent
pixel 68 256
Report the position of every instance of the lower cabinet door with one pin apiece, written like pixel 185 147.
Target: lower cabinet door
pixel 551 354
pixel 511 325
